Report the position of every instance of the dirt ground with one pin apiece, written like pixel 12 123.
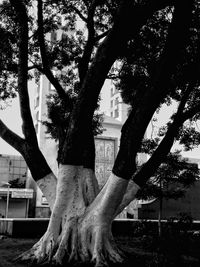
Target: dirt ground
pixel 143 251
pixel 10 248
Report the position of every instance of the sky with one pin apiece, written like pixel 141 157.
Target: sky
pixel 11 117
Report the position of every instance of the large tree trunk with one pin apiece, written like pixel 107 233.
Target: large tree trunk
pixel 80 224
pixel 48 187
pixel 77 232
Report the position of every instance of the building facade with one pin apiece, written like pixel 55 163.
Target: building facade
pixel 14 202
pixel 117 109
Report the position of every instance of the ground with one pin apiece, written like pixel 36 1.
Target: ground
pixel 177 248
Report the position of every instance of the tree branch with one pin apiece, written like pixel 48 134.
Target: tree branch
pixel 11 138
pixel 22 20
pixel 100 36
pixel 84 62
pixel 45 62
pixel 150 167
pixel 107 53
pixel 78 12
pixel 135 126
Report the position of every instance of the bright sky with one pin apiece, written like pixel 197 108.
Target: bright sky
pixel 11 117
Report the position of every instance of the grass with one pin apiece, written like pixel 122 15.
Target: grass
pixel 10 248
pixel 143 250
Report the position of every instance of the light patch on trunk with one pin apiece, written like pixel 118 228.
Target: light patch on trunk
pixel 89 185
pixel 48 187
pixel 129 196
pixel 68 197
pixel 89 237
pixel 76 232
pixel 109 198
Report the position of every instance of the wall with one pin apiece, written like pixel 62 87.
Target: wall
pixel 16 209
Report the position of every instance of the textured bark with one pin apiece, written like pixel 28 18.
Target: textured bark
pixel 68 205
pixel 48 186
pixel 88 237
pixel 128 196
pixel 80 224
pixel 90 185
pixel 77 233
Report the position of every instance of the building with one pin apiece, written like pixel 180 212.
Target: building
pixel 14 202
pixel 117 109
pixel 171 208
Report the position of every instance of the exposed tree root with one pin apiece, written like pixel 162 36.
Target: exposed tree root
pixel 85 235
pixel 79 243
pixel 105 250
pixel 84 243
pixel 41 252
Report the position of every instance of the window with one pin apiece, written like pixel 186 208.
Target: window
pixel 116 101
pixel 111 103
pixel 111 114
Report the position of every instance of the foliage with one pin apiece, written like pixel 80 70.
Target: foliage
pixel 142 54
pixel 172 178
pixel 58 113
pixel 65 54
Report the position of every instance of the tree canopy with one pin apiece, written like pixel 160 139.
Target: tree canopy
pixel 76 45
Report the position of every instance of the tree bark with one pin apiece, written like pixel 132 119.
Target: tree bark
pixel 76 232
pixel 80 224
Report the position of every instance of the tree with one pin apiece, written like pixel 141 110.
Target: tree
pixel 174 176
pixel 80 224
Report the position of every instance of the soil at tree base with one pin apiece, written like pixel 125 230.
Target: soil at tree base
pixel 143 251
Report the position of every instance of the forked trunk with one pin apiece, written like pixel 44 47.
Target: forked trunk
pixel 78 232
pixel 72 197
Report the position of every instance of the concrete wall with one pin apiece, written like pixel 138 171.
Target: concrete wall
pixel 16 209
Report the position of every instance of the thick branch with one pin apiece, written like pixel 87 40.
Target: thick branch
pixel 149 168
pixel 11 138
pixel 147 101
pixel 129 14
pixel 45 62
pixel 84 62
pixel 22 19
pixel 101 36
